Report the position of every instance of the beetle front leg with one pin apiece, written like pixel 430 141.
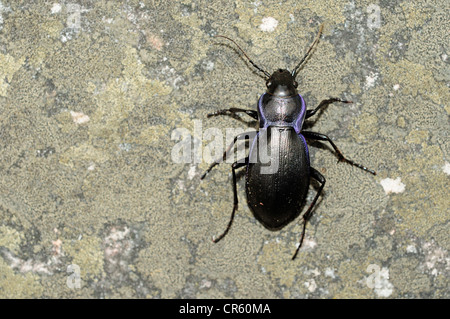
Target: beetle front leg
pixel 322 104
pixel 234 166
pixel 243 136
pixel 233 110
pixel 318 177
pixel 323 137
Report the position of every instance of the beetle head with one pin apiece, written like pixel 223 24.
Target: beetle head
pixel 282 84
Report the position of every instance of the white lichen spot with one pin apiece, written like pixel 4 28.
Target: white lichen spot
pixel 392 185
pixel 56 8
pixel 329 272
pixel 383 288
pixel 125 147
pixel 268 24
pixel 446 168
pixel 171 76
pixel 119 244
pixel 180 184
pixel 308 243
pixel 311 285
pixel 370 80
pixel 396 87
pixel 107 20
pixel 256 4
pixel 3 9
pixel 314 272
pixel 205 284
pixel 436 258
pixel 117 234
pixel 79 118
pixel 208 65
pixel 29 265
pixel 411 249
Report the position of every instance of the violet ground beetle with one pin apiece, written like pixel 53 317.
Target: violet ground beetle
pixel 276 197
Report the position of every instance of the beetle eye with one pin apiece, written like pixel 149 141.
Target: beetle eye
pixel 295 84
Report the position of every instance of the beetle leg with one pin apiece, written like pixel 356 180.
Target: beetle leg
pixel 243 136
pixel 323 137
pixel 233 110
pixel 322 104
pixel 234 166
pixel 318 177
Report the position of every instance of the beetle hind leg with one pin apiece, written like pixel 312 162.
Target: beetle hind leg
pixel 318 177
pixel 244 136
pixel 234 167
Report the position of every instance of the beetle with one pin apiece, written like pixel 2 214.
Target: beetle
pixel 276 188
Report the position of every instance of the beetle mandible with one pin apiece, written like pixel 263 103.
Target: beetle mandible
pixel 276 189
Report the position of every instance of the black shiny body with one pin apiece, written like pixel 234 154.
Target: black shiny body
pixel 276 197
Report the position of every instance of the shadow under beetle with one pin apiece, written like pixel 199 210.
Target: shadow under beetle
pixel 276 195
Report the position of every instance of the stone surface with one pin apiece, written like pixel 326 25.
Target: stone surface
pixel 93 204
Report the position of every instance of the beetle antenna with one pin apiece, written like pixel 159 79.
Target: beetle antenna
pixel 267 74
pixel 295 72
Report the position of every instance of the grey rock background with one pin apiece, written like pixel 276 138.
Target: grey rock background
pixel 91 91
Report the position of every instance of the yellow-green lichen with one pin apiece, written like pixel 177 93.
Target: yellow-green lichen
pixel 415 79
pixel 417 136
pixel 352 274
pixel 365 127
pixel 8 66
pixel 88 254
pixel 114 103
pixel 16 285
pixel 10 238
pixel 421 207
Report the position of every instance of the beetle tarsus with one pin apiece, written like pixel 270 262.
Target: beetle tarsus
pixel 234 166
